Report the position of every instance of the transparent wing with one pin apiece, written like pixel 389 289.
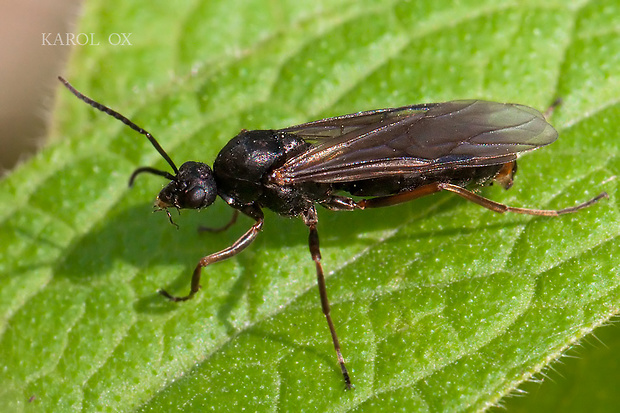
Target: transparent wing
pixel 354 123
pixel 414 140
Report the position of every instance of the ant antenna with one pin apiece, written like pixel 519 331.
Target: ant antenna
pixel 150 170
pixel 133 126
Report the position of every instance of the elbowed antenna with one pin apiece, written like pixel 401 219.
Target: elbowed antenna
pixel 133 126
pixel 151 171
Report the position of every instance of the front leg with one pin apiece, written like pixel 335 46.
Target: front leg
pixel 311 219
pixel 224 227
pixel 239 245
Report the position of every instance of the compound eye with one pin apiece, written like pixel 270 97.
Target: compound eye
pixel 194 198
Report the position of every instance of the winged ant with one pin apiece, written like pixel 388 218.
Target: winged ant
pixel 381 157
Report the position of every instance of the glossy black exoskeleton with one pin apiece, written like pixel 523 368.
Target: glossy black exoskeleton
pixel 385 156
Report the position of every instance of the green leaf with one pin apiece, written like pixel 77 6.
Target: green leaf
pixel 440 305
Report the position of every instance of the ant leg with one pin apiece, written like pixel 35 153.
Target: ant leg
pixel 557 102
pixel 223 228
pixel 501 208
pixel 239 245
pixel 311 219
pixel 340 203
pixel 470 196
pixel 383 201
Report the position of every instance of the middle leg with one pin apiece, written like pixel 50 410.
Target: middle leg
pixel 311 219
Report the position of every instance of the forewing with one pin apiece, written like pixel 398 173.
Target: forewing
pixel 443 135
pixel 354 123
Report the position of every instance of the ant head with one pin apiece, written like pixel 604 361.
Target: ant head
pixel 192 186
